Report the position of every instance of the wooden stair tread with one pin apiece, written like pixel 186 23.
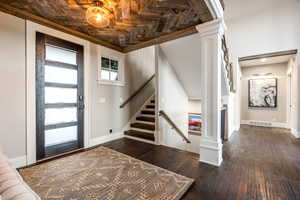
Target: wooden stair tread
pixel 150 106
pixel 146 119
pixel 140 134
pixel 149 127
pixel 148 112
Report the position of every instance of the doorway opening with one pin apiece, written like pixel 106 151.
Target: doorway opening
pixel 267 89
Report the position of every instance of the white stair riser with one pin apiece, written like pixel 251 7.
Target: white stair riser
pixel 144 122
pixel 142 130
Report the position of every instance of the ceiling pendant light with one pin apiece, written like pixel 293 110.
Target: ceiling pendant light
pixel 97 15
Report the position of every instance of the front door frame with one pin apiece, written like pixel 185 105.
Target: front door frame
pixel 31 29
pixel 41 41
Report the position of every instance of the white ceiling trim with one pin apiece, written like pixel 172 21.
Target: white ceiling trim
pixel 215 8
pixel 266 61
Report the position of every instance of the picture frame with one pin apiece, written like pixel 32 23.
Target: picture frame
pixel 195 123
pixel 262 93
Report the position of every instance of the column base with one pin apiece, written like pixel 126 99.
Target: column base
pixel 295 133
pixel 211 151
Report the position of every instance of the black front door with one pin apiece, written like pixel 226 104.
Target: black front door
pixel 59 96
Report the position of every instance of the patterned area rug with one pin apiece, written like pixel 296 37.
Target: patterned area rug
pixel 104 174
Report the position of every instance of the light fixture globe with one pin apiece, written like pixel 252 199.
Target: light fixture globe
pixel 97 17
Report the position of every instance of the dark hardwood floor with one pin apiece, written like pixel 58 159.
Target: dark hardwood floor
pixel 259 163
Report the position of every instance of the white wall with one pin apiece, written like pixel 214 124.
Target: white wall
pixel 195 106
pixel 274 26
pixel 174 101
pixel 106 99
pixel 296 71
pixel 141 66
pixel 184 56
pixel 12 85
pixel 258 27
pixel 276 115
pixel 293 94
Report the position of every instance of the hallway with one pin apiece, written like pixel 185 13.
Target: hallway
pixel 259 163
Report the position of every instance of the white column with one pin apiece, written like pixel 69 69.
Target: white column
pixel 211 63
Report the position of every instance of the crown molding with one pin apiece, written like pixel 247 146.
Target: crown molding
pixel 164 38
pixel 213 27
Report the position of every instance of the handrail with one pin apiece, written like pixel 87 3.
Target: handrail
pixel 228 65
pixel 164 115
pixel 137 92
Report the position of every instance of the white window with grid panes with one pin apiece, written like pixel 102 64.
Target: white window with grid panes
pixel 110 71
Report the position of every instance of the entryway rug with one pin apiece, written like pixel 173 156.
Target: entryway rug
pixel 104 174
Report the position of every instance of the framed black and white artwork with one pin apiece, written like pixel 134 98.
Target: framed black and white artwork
pixel 263 93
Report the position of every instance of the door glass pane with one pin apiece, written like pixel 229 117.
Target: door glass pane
pixel 60 75
pixel 61 55
pixel 60 95
pixel 60 115
pixel 60 135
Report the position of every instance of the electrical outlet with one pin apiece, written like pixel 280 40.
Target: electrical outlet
pixel 110 131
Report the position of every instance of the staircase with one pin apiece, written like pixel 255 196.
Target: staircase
pixel 142 128
pixel 228 66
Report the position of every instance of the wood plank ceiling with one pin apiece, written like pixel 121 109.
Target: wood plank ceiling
pixel 147 22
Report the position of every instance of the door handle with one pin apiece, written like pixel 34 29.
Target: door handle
pixel 81 107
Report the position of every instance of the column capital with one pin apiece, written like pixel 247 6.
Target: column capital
pixel 215 27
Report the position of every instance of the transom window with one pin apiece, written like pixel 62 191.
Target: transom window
pixel 109 69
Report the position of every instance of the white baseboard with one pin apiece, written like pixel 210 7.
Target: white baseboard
pixel 18 161
pixel 236 128
pixel 106 138
pixel 295 133
pixel 264 123
pixel 230 136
